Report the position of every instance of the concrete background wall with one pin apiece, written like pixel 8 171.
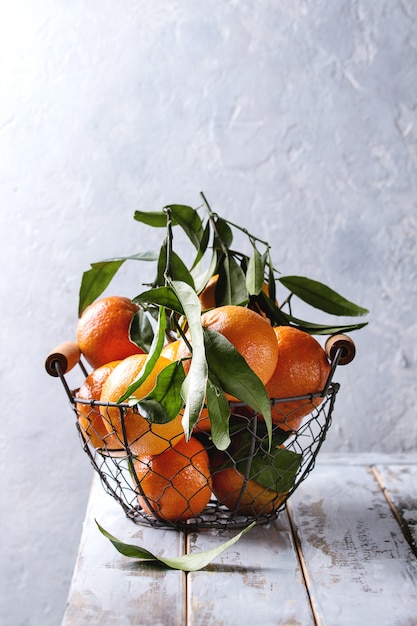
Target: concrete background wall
pixel 296 118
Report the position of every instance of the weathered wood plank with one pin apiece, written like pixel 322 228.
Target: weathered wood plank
pixel 108 588
pixel 400 482
pixel 257 581
pixel 360 569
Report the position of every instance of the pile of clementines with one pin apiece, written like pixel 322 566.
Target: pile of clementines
pixel 201 380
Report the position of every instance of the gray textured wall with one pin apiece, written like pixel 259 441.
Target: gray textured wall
pixel 297 119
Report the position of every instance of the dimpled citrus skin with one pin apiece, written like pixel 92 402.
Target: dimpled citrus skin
pixel 103 330
pixel 302 368
pixel 142 437
pixel 250 333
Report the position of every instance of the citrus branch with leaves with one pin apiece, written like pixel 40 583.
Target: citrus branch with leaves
pixel 173 301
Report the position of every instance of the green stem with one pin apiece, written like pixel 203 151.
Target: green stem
pixel 241 228
pixel 169 236
pixel 212 217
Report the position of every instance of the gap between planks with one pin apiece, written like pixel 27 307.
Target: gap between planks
pixel 298 545
pixel 401 522
pixel 302 562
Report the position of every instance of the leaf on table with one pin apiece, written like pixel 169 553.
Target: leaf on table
pixel 186 563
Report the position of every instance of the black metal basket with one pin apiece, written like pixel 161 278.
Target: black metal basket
pixel 288 461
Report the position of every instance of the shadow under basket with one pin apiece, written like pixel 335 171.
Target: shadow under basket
pixel 250 481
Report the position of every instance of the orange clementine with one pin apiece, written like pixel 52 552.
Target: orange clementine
pixel 251 334
pixel 103 330
pixel 142 436
pixel 238 495
pixel 176 485
pixel 208 295
pixel 302 368
pixel 170 350
pixel 89 417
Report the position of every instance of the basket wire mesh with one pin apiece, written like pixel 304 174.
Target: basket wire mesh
pixel 114 460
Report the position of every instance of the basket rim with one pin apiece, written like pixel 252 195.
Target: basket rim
pixel 233 403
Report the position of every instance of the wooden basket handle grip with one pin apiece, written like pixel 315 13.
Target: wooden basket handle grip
pixel 335 342
pixel 66 355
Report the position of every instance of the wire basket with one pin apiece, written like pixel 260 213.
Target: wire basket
pixel 286 463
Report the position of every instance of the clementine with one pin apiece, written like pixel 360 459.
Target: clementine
pixel 302 368
pixel 246 497
pixel 89 417
pixel 176 484
pixel 142 436
pixel 251 334
pixel 103 330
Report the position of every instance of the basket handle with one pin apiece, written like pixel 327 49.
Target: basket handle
pixel 65 356
pixel 343 342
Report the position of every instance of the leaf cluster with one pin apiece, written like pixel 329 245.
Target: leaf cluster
pixel 170 308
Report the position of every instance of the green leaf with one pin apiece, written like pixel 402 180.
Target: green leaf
pixel 164 296
pixel 141 331
pixel 175 268
pixel 186 563
pixel 194 386
pixel 135 552
pixel 157 219
pixel 202 280
pixel 164 402
pixel 95 280
pixel 275 469
pixel 224 234
pixel 154 352
pixel 235 375
pixel 255 273
pixel 231 286
pixel 271 277
pixel 204 241
pixel 268 306
pixel 320 296
pixel 190 222
pixel 219 413
pixel 323 329
pixel 280 318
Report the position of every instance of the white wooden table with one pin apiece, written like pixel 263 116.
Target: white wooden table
pixel 344 552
